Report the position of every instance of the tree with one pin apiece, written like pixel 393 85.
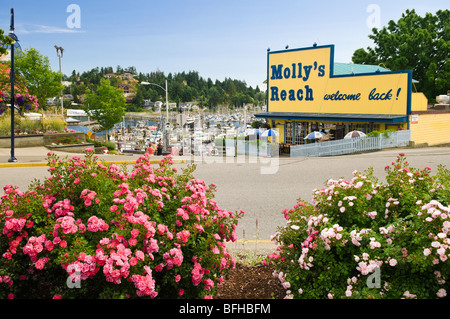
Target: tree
pixel 106 104
pixel 37 75
pixel 5 41
pixel 421 44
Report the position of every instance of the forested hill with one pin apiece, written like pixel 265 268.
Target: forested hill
pixel 182 87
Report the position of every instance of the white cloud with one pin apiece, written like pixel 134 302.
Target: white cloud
pixel 48 29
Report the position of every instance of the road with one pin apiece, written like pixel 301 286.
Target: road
pixel 264 187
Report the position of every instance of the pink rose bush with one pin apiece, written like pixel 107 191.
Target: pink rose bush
pixel 365 238
pixel 90 230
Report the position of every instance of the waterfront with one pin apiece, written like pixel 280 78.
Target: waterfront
pixel 186 133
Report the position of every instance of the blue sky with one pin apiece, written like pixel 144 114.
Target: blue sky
pixel 216 38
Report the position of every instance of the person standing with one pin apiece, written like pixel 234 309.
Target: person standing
pixel 159 148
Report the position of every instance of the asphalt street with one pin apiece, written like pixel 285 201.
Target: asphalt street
pixel 261 187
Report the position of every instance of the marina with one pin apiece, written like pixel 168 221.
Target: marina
pixel 182 134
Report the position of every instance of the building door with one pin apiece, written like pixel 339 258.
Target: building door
pixel 299 133
pixel 288 132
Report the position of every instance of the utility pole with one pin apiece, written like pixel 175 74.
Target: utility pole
pixel 12 78
pixel 59 53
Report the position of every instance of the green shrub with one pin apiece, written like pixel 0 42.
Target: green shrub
pixel 109 145
pixel 367 239
pixel 97 231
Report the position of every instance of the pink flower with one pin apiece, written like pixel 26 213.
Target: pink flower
pixel 135 233
pixel 177 278
pixel 426 252
pixel 441 293
pixel 197 274
pixel 208 284
pixel 132 241
pixel 392 262
pixel 372 214
pixel 140 255
pixel 435 244
pixel 133 261
pixel 40 264
pixel 105 241
pixel 184 235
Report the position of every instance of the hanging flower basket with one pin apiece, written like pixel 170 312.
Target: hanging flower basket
pixel 26 102
pixel 23 102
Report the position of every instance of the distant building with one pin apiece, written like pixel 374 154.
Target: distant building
pixel 127 89
pixel 186 106
pixel 68 97
pixel 149 105
pixel 111 76
pixel 127 76
pixel 52 101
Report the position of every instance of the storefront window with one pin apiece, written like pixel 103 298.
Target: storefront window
pixel 296 131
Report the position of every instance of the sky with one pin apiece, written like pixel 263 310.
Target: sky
pixel 219 39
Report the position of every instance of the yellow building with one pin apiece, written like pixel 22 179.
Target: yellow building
pixel 428 126
pixel 307 91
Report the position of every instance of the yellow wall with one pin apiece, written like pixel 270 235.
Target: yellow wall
pixel 280 128
pixel 431 128
pixel 419 102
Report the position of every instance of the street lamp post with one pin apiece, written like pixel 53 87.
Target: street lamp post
pixel 59 53
pixel 165 132
pixel 12 78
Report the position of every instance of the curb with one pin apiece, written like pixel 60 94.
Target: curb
pixel 5 165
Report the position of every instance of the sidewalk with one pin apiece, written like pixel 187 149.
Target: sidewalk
pixel 37 156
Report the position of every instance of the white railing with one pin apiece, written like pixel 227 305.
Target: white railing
pixel 353 145
pixel 254 147
pixel 261 147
